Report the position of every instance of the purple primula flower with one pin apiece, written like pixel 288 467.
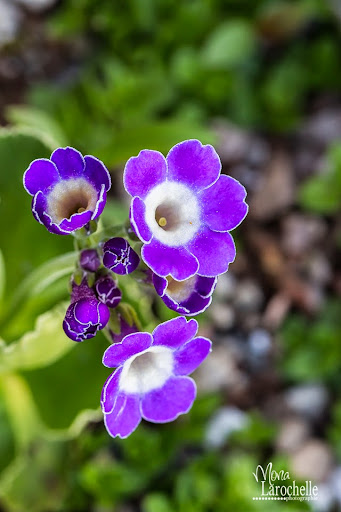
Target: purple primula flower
pixel 188 297
pixel 68 190
pixel 86 315
pixel 89 260
pixel 183 210
pixel 151 380
pixel 119 257
pixel 108 292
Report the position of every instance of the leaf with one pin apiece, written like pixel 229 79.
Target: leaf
pixel 160 135
pixel 71 385
pixel 38 348
pixel 2 276
pixel 156 502
pixel 21 409
pixel 38 123
pixel 229 45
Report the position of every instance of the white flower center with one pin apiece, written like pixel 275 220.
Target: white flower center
pixel 172 213
pixel 180 290
pixel 71 196
pixel 147 371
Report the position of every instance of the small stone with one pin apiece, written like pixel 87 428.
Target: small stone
pixel 319 268
pixel 259 345
pixel 223 423
pixel 324 127
pixel 10 18
pixel 335 483
pixel 36 5
pixel 301 233
pixel 233 143
pixel 226 287
pixel 312 461
pixel 275 191
pixel 222 316
pixel 309 400
pixel 248 296
pixel 219 371
pixel 292 434
pixel 276 311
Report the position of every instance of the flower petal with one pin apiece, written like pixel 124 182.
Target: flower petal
pixel 70 163
pixel 40 175
pixel 143 172
pixel 76 221
pixel 194 305
pixel 193 164
pixel 39 213
pixel 205 285
pixel 101 202
pixel 110 391
pixel 125 416
pixel 132 344
pixel 214 251
pixel 175 332
pixel 175 261
pixel 223 204
pixel 137 219
pixel 167 403
pixel 160 284
pixel 97 173
pixel 191 355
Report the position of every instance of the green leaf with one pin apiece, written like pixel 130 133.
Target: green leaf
pixel 2 276
pixel 38 348
pixel 229 45
pixel 21 409
pixel 160 135
pixel 39 124
pixel 70 386
pixel 156 502
pixel 40 280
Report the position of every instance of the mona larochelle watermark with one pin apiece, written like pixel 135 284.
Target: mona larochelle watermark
pixel 277 485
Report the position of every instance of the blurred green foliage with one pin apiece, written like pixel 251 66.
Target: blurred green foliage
pixel 312 349
pixel 322 193
pixel 152 72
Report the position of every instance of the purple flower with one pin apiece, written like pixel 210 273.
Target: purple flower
pixel 189 297
pixel 151 380
pixel 119 257
pixel 182 209
pixel 108 292
pixel 68 190
pixel 86 315
pixel 89 260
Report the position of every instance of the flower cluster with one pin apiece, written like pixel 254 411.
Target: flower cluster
pixel 181 214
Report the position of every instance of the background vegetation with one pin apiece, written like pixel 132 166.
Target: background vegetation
pixel 262 82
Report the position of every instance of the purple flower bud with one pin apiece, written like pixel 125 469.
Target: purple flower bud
pixel 86 315
pixel 89 260
pixel 119 257
pixel 108 292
